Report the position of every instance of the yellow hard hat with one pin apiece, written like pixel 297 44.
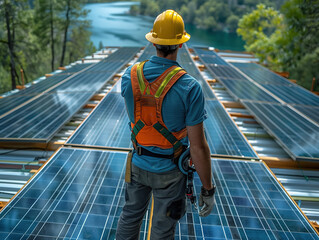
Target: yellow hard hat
pixel 168 29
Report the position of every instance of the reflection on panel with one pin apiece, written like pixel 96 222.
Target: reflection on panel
pixel 209 57
pixel 298 136
pixel 24 95
pixel 246 90
pixel 222 134
pixel 107 126
pixel 80 195
pixel 310 111
pixel 277 85
pixel 261 75
pixel 293 94
pixel 41 118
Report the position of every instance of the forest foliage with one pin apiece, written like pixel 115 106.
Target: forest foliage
pixel 214 15
pixel 39 36
pixel 286 40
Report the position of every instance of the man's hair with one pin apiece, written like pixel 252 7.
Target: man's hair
pixel 166 49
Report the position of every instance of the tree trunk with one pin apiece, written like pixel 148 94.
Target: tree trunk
pixel 10 46
pixel 52 36
pixel 66 31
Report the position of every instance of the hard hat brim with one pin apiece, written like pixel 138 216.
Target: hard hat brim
pixel 163 41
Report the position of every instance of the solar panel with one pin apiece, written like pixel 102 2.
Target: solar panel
pixel 79 194
pixel 41 118
pixel 261 75
pixel 293 94
pixel 246 90
pixel 187 63
pixel 209 57
pixel 310 111
pixel 24 95
pixel 298 136
pixel 219 71
pixel 223 135
pixel 107 126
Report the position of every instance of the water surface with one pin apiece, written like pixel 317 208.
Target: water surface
pixel 114 26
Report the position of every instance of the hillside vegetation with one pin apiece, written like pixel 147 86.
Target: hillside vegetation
pixel 39 36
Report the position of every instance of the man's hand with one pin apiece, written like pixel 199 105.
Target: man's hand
pixel 206 201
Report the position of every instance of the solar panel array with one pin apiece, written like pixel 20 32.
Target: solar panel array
pixel 79 194
pixel 296 134
pixel 223 135
pixel 244 90
pixel 277 85
pixel 299 136
pixel 107 126
pixel 41 118
pixel 14 100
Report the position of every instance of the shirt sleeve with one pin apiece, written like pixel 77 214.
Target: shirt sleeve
pixel 125 82
pixel 195 109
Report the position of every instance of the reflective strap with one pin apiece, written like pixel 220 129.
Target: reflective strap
pixel 137 127
pixel 140 77
pixel 166 80
pixel 168 135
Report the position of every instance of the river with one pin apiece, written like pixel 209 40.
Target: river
pixel 112 25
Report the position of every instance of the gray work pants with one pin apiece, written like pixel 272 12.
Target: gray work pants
pixel 169 203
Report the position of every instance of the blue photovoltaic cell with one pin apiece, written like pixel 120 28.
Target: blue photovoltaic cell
pixel 42 117
pixel 223 135
pixel 187 63
pixel 24 95
pixel 277 85
pixel 298 136
pixel 246 90
pixel 107 126
pixel 209 57
pixel 293 94
pixel 216 65
pixel 310 111
pixel 261 75
pixel 221 71
pixel 79 194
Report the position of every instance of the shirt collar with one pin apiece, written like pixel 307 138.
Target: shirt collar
pixel 160 60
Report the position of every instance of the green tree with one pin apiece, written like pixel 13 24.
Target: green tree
pixel 262 30
pixel 14 20
pixel 73 17
pixel 300 44
pixel 45 15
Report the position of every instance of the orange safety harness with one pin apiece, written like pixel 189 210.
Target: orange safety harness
pixel 149 128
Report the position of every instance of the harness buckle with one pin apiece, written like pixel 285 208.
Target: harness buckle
pixel 138 150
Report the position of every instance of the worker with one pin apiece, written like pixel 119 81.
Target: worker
pixel 165 106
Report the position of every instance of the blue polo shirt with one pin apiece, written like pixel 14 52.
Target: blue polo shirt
pixel 182 106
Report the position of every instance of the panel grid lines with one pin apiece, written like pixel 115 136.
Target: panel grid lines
pixel 41 118
pixel 79 194
pixel 298 135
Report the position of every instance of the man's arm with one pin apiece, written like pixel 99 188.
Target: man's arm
pixel 200 154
